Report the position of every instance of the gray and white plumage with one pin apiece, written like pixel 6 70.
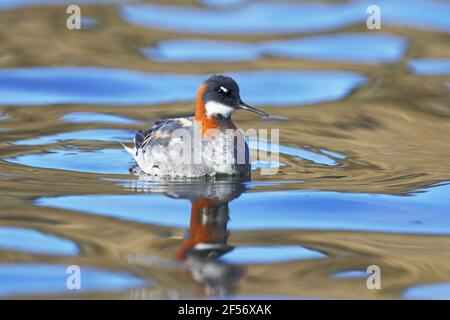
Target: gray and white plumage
pixel 159 153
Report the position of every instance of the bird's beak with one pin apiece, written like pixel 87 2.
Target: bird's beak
pixel 244 106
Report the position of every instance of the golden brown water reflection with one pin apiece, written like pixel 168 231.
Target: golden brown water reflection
pixel 390 138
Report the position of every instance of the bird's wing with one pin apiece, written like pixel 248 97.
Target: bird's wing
pixel 160 133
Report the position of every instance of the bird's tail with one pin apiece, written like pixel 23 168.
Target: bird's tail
pixel 131 151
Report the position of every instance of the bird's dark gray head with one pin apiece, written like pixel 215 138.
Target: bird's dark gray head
pixel 221 96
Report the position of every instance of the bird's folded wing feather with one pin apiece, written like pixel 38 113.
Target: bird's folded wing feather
pixel 160 133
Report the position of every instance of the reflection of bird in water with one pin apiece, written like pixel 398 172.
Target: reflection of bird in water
pixel 206 241
pixel 206 144
pixel 206 238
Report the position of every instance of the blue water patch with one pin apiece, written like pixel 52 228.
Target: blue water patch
pixel 422 14
pixel 178 50
pixel 286 17
pixel 351 47
pixel 424 212
pixel 108 135
pixel 152 209
pixel 430 66
pixel 220 3
pixel 350 274
pixel 433 291
pixel 95 117
pixel 104 161
pixel 40 279
pixel 254 18
pixel 87 22
pixel 270 254
pixel 296 87
pixel 90 85
pixel 258 184
pixel 28 240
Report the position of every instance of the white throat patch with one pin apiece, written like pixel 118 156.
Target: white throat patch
pixel 213 107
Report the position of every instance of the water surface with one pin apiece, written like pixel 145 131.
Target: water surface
pixel 351 47
pixel 285 17
pixel 41 86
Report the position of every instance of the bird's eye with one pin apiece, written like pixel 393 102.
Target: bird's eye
pixel 222 90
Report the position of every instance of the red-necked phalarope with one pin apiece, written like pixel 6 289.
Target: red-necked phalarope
pixel 199 145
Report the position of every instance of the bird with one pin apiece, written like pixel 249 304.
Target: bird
pixel 205 144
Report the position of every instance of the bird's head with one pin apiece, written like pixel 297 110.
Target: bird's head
pixel 219 96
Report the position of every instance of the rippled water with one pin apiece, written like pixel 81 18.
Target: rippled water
pixel 350 47
pixel 364 166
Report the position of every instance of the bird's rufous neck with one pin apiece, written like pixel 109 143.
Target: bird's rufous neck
pixel 200 109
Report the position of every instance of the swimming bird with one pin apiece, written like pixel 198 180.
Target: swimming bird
pixel 206 144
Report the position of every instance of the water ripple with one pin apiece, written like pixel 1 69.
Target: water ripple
pixel 103 161
pixel 350 47
pixel 28 240
pixel 33 279
pixel 91 135
pixel 274 18
pixel 270 254
pixel 433 291
pixel 89 85
pixel 423 213
pixel 430 66
pixel 95 117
